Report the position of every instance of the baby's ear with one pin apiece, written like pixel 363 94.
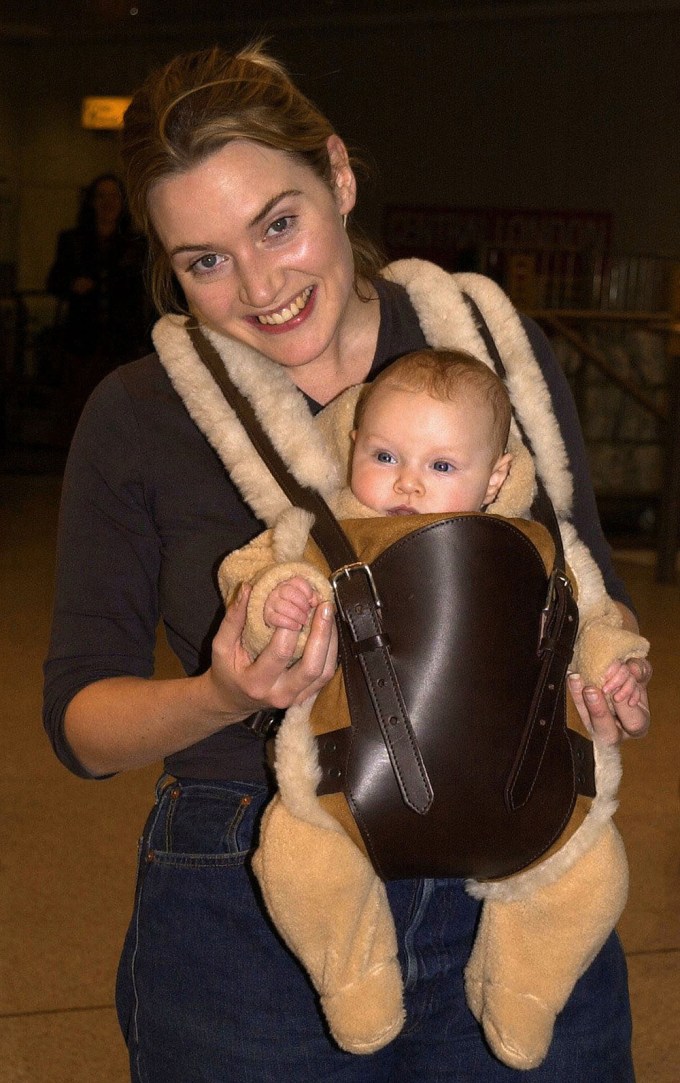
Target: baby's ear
pixel 499 474
pixel 517 492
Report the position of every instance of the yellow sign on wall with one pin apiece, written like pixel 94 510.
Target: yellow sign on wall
pixel 104 112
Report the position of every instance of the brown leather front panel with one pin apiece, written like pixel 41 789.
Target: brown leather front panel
pixel 462 600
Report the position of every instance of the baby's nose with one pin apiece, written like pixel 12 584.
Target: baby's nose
pixel 409 481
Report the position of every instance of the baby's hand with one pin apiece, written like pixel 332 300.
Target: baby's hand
pixel 290 604
pixel 621 684
pixel 620 708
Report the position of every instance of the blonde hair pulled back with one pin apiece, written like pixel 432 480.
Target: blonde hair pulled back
pixel 192 108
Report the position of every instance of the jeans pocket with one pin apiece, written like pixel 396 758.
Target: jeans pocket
pixel 204 823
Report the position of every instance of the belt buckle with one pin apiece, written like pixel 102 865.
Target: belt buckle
pixel 347 570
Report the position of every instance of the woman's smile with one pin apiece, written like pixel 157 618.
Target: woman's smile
pixel 290 315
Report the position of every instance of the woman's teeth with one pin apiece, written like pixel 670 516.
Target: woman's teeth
pixel 288 313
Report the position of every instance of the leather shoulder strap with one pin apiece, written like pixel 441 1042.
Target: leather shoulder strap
pixel 327 532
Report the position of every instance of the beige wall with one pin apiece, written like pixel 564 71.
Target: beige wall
pixel 494 109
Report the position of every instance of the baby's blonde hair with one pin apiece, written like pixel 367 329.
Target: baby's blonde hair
pixel 445 375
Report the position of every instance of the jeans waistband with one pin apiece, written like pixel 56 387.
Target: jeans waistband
pixel 166 781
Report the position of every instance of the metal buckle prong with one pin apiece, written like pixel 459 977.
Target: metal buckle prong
pixel 347 570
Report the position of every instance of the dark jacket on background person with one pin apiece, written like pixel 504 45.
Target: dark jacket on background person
pixel 113 319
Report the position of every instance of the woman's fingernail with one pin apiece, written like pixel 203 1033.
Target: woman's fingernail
pixel 327 611
pixel 590 695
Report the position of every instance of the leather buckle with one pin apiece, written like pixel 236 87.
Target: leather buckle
pixel 548 608
pixel 347 570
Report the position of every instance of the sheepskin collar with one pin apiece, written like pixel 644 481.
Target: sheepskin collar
pixel 439 301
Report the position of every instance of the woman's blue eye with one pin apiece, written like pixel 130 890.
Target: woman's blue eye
pixel 280 225
pixel 442 466
pixel 207 262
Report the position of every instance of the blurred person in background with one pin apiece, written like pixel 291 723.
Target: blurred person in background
pixel 103 317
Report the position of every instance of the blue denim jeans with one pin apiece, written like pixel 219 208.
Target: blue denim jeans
pixel 208 992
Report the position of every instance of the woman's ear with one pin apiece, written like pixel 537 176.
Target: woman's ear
pixel 343 181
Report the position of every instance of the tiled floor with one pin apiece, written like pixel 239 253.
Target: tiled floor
pixel 68 852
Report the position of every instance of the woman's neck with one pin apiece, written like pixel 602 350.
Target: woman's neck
pixel 350 362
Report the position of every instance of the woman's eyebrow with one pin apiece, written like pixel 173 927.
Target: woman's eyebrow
pixel 270 204
pixel 180 248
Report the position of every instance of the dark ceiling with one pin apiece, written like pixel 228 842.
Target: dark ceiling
pixel 28 20
pixel 31 20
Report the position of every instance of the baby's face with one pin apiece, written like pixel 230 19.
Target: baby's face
pixel 414 454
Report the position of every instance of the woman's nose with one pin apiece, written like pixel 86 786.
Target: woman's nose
pixel 259 282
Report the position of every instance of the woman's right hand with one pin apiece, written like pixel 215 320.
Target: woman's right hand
pixel 270 680
pixel 120 723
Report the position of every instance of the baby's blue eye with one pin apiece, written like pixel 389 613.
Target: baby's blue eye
pixel 385 457
pixel 442 466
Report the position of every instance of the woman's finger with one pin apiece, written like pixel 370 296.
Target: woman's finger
pixel 601 721
pixel 634 718
pixel 330 664
pixel 631 719
pixel 277 682
pixel 313 668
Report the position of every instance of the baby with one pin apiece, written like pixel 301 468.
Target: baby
pixel 429 435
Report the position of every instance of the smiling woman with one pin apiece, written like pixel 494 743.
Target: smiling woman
pixel 243 189
pixel 257 244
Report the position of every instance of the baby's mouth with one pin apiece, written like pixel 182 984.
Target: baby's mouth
pixel 289 312
pixel 402 509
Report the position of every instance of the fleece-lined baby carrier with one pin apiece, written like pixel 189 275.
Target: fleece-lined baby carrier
pixel 450 764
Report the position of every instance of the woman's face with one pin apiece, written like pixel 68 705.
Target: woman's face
pixel 257 243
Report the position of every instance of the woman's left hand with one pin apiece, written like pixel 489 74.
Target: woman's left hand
pixel 628 715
